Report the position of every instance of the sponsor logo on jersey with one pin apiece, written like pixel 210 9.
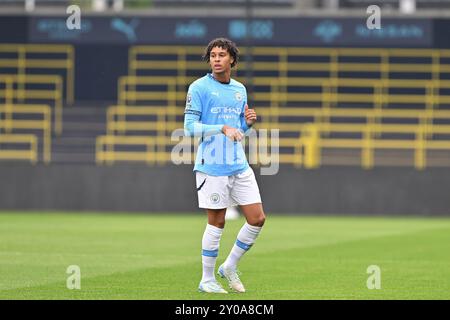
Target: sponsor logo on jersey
pixel 225 110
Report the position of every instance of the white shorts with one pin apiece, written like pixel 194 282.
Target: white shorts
pixel 220 192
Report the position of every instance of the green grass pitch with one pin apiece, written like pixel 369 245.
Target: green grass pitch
pixel 132 256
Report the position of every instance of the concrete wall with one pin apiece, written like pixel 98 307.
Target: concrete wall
pixel 330 190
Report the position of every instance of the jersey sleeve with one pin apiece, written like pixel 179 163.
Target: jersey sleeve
pixel 193 115
pixel 193 102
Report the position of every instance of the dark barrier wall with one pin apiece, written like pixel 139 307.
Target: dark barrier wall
pixel 330 190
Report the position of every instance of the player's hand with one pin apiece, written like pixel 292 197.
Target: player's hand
pixel 250 115
pixel 232 133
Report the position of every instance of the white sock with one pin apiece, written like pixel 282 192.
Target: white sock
pixel 245 239
pixel 210 249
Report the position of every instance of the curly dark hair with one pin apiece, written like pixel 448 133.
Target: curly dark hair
pixel 224 43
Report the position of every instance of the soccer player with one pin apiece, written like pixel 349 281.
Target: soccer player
pixel 217 112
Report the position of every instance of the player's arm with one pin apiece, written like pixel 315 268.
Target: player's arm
pixel 193 126
pixel 192 117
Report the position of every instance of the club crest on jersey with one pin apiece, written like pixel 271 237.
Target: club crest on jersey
pixel 238 96
pixel 215 198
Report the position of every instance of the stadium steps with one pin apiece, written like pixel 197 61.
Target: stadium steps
pixel 82 124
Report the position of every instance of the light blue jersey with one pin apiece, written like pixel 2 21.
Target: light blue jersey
pixel 210 105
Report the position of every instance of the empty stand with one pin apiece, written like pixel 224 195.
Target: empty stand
pixel 36 80
pixel 27 120
pixel 352 99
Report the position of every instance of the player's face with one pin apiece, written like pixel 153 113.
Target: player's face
pixel 220 60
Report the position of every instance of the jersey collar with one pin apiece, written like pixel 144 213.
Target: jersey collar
pixel 212 77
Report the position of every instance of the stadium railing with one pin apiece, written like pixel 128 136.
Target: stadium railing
pixel 145 90
pixel 15 118
pixel 424 126
pixel 42 88
pixel 381 124
pixel 310 65
pixel 132 125
pixel 295 86
pixel 111 155
pixel 282 62
pixel 24 59
pixel 28 140
pixel 313 142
